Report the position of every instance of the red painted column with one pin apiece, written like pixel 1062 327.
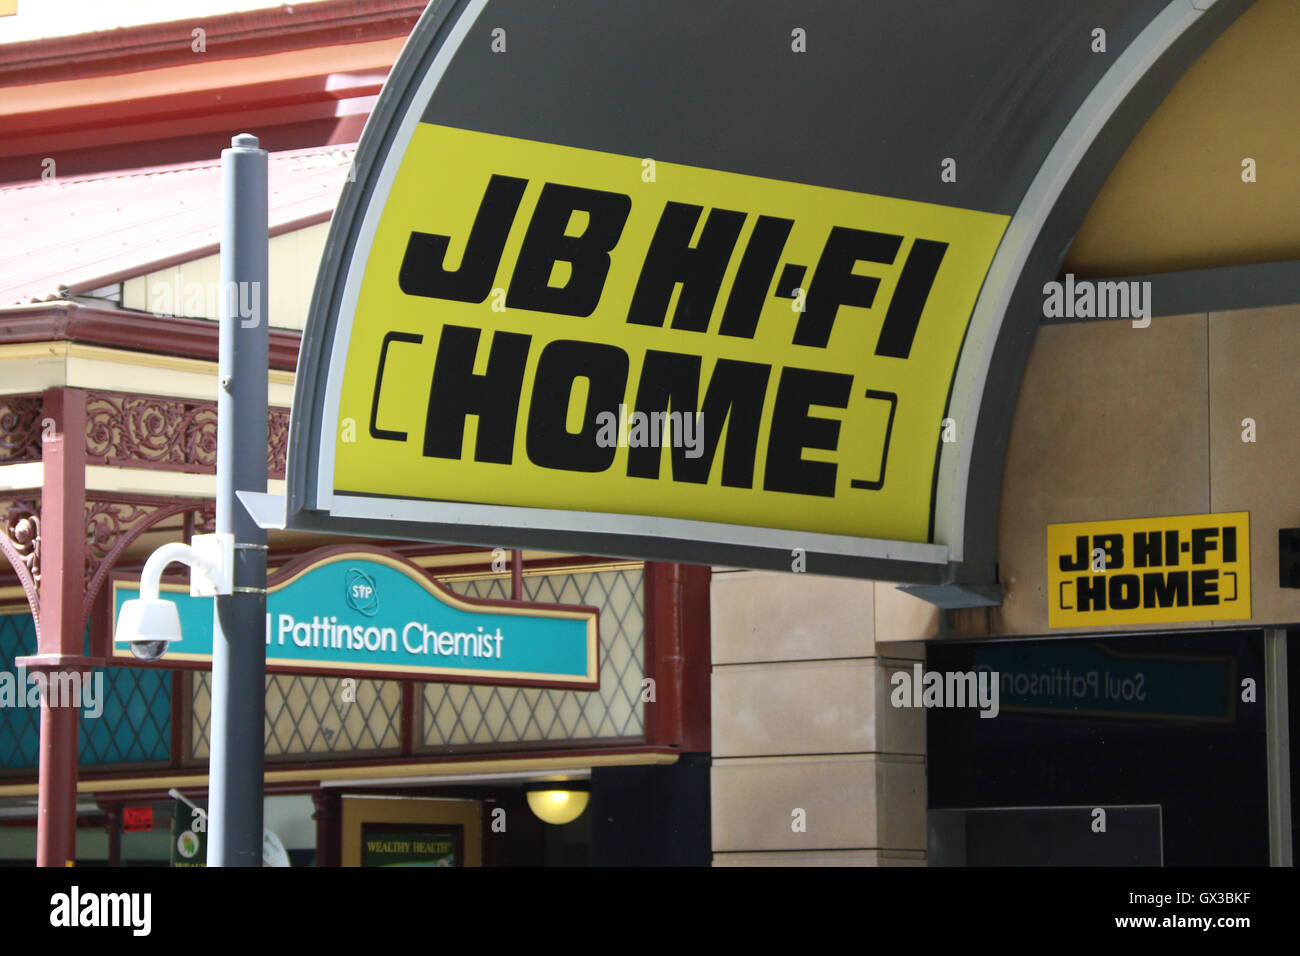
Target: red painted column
pixel 113 824
pixel 697 659
pixel 663 623
pixel 59 639
pixel 327 817
pixel 678 655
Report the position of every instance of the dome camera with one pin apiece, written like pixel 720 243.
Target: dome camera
pixel 148 650
pixel 148 625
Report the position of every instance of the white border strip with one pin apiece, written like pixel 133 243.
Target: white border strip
pixel 1019 240
pixel 599 523
pixel 365 240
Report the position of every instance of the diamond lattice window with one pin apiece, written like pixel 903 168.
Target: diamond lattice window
pixel 458 715
pixel 312 715
pixel 133 724
pixel 309 716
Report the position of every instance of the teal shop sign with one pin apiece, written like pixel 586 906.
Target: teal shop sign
pixel 372 613
pixel 1088 679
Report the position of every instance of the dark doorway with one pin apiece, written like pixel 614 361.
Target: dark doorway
pixel 1156 720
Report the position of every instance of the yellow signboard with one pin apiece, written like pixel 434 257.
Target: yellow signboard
pixel 1149 570
pixel 561 328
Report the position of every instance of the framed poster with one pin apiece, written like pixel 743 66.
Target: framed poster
pixel 411 831
pixel 412 844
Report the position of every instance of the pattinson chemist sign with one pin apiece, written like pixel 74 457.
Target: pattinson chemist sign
pixel 373 614
pixel 1149 570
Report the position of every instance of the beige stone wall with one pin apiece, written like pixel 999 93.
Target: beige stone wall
pixel 1112 422
pixel 802 722
pixel 1121 422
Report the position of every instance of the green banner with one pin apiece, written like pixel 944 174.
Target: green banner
pixel 189 836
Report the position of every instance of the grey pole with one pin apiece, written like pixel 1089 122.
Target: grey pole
pixel 239 620
pixel 1278 743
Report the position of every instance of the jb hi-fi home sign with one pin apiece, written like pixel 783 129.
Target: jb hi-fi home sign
pixel 1149 570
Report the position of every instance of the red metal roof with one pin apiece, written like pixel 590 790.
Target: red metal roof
pixel 69 236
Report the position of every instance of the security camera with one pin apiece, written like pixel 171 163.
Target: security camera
pixel 147 624
pixel 148 650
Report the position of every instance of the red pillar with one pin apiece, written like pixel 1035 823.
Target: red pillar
pixel 664 660
pixel 516 575
pixel 113 825
pixel 59 638
pixel 327 816
pixel 678 655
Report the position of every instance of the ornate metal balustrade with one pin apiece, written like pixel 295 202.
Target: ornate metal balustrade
pixel 137 431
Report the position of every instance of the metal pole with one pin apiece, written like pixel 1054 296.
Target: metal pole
pixel 1278 737
pixel 239 620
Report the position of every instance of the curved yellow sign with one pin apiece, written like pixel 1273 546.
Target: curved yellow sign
pixel 560 328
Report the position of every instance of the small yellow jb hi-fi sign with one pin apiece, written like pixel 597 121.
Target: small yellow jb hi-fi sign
pixel 1149 570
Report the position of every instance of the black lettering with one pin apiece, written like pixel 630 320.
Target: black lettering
pixel 1229 544
pixel 908 302
pixel 791 281
pixel 733 401
pixel 389 339
pixel 1090 593
pixel 1125 591
pixel 546 243
pixel 1205 585
pixel 1161 590
pixel 1203 543
pixel 754 276
pixel 834 284
pixel 793 430
pixel 671 259
pixel 493 396
pixel 562 362
pixel 1113 545
pixel 423 273
pixel 1082 556
pixel 1146 549
pixel 1172 553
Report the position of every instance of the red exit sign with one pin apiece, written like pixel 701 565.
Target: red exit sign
pixel 135 819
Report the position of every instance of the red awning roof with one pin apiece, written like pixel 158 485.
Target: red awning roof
pixel 69 236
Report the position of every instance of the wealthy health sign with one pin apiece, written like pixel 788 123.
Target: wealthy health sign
pixel 373 614
pixel 661 281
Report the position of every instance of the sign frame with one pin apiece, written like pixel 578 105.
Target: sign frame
pixel 1080 138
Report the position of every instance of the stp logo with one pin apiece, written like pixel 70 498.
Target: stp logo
pixel 360 592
